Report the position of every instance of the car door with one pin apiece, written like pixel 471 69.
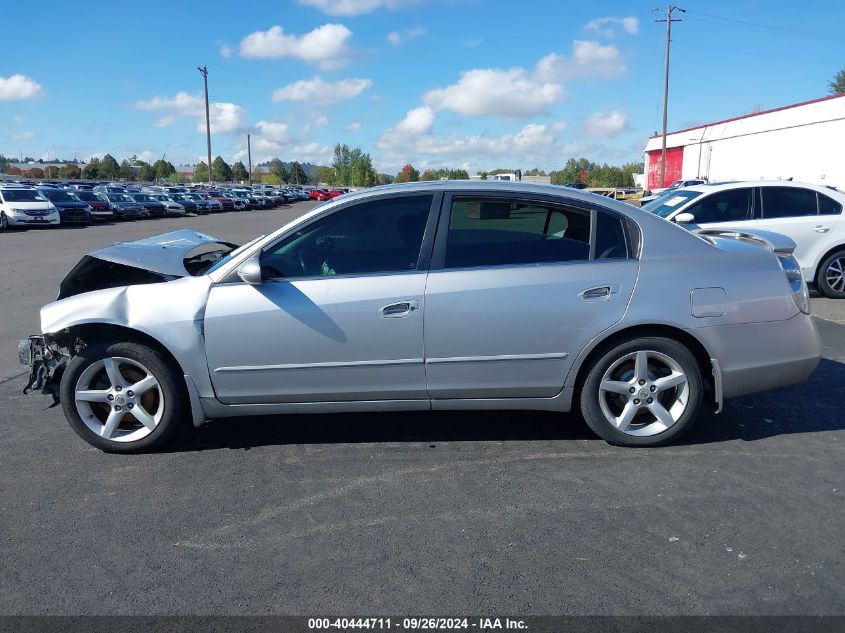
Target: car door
pixel 726 209
pixel 794 211
pixel 338 315
pixel 518 286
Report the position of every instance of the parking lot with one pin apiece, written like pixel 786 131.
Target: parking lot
pixel 413 513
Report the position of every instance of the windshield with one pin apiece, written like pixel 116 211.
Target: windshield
pixel 234 253
pixel 119 197
pixel 22 195
pixel 142 197
pixel 161 197
pixel 89 195
pixel 670 202
pixel 60 196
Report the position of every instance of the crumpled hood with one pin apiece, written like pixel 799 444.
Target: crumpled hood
pixel 156 259
pixel 163 253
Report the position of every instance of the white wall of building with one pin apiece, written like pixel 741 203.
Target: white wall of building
pixel 805 142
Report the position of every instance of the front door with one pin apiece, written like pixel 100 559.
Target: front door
pixel 517 288
pixel 338 316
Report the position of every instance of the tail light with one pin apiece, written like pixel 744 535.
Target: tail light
pixel 795 277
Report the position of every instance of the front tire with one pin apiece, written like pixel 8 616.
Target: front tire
pixel 642 392
pixel 122 397
pixel 4 221
pixel 830 280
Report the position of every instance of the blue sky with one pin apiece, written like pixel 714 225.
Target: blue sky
pixel 472 83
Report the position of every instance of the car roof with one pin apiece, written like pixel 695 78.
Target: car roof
pixel 738 184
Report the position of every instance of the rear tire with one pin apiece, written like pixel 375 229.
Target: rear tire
pixel 123 397
pixel 830 280
pixel 642 392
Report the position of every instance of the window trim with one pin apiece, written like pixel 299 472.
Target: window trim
pixel 438 257
pixel 422 261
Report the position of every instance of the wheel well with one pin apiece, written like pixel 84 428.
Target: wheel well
pixel 838 247
pixel 639 331
pixel 90 333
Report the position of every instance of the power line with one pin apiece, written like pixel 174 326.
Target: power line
pixel 769 27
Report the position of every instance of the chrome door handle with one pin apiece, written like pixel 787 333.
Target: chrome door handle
pixel 399 309
pixel 821 229
pixel 598 293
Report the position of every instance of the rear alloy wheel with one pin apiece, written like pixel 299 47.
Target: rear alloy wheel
pixel 122 397
pixel 831 278
pixel 644 392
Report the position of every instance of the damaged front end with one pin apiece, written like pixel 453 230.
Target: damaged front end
pixel 46 362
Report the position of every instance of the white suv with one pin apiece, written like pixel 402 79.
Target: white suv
pixel 810 214
pixel 25 206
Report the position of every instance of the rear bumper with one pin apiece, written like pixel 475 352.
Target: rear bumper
pixel 757 357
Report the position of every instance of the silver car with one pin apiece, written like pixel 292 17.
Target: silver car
pixel 427 296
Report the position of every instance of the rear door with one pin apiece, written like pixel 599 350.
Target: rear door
pixel 518 286
pixel 795 211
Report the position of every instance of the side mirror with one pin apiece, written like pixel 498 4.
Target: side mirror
pixel 250 271
pixel 685 218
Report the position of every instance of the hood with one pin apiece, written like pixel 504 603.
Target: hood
pixel 151 260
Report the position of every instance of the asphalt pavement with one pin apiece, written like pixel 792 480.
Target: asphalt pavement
pixel 436 513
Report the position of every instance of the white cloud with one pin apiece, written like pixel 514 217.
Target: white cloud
pixel 321 121
pixel 397 37
pixel 588 59
pixel 276 132
pixel 225 117
pixel 148 156
pixel 354 7
pixel 18 87
pixel 416 121
pixel 324 46
pixel 607 26
pixel 606 124
pixel 24 136
pixel 318 91
pixel 509 93
pixel 354 127
pixel 226 51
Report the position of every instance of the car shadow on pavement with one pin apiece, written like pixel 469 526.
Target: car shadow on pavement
pixel 810 407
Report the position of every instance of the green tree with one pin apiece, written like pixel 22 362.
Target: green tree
pixel 91 171
pixel 628 171
pixel 428 175
pixel 163 169
pixel 384 179
pixel 36 172
pixel 270 179
pixel 573 171
pixel 174 178
pixel 4 163
pixel 324 174
pixel 408 174
pixel 837 84
pixel 297 174
pixel 109 169
pixel 277 168
pixel 484 175
pixel 125 172
pixel 220 170
pixel 239 172
pixel 458 174
pixel 146 173
pixel 70 171
pixel 201 172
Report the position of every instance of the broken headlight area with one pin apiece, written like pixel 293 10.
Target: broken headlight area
pixel 46 362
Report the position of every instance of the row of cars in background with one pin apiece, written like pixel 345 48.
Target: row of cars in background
pixel 53 203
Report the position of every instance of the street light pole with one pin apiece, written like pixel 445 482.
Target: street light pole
pixel 204 72
pixel 249 157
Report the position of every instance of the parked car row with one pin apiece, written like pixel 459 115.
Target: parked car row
pixel 53 203
pixel 811 215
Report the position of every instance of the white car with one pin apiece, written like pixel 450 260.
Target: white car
pixel 25 206
pixel 173 207
pixel 809 214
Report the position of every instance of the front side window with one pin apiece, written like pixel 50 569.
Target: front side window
pixel 788 202
pixel 496 232
pixel 381 236
pixel 725 206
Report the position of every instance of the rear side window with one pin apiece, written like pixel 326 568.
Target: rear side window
pixel 611 241
pixel 725 206
pixel 828 206
pixel 788 202
pixel 496 232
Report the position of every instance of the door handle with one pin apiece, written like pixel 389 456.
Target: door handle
pixel 399 309
pixel 599 293
pixel 821 229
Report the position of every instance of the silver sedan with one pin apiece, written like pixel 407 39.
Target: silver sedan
pixel 427 296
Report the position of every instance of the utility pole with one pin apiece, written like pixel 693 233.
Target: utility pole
pixel 249 157
pixel 204 72
pixel 670 9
